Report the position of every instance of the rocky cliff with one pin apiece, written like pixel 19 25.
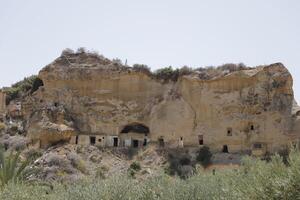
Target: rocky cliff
pixel 232 110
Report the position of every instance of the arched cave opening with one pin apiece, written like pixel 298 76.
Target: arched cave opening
pixel 136 128
pixel 134 140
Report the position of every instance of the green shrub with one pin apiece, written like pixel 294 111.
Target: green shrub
pixel 167 74
pixel 81 50
pixel 36 84
pixel 56 160
pixel 101 172
pixel 67 52
pixel 185 70
pixel 18 143
pixel 141 68
pixel 135 166
pixel 180 164
pixel 117 61
pixel 17 90
pixel 255 179
pixel 2 126
pixel 11 94
pixel 77 162
pixel 131 173
pixel 284 154
pixel 231 67
pixel 33 153
pixel 11 168
pixel 204 156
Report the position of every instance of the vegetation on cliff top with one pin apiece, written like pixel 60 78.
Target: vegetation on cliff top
pixel 165 73
pixel 27 86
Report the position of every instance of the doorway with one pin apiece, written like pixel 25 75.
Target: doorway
pixel 135 143
pixel 145 142
pixel 116 142
pixel 161 142
pixel 225 149
pixel 92 140
pixel 200 139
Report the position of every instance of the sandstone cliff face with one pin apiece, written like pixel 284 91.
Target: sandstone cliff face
pixel 238 111
pixel 2 102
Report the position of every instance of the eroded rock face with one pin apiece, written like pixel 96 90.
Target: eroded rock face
pixel 243 109
pixel 49 126
pixel 2 102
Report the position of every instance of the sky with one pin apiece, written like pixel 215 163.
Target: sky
pixel 158 33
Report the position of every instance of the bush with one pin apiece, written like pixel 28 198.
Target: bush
pixel 101 172
pixel 231 67
pixel 255 179
pixel 206 73
pixel 135 166
pixel 141 68
pixel 67 52
pixel 81 50
pixel 2 126
pixel 180 164
pixel 170 74
pixel 33 154
pixel 56 160
pixel 204 156
pixel 117 61
pixel 37 83
pixel 17 143
pixel 77 162
pixel 284 154
pixel 185 70
pixel 11 94
pixel 17 90
pixel 167 74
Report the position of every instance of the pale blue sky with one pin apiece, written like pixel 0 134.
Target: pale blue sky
pixel 157 33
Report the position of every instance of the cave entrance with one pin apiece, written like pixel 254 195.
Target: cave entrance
pixel 135 143
pixel 76 139
pixel 145 142
pixel 92 140
pixel 200 140
pixel 161 142
pixel 136 128
pixel 225 149
pixel 137 133
pixel 116 141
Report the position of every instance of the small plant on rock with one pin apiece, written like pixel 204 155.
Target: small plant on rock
pixel 133 168
pixel 101 172
pixel 77 162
